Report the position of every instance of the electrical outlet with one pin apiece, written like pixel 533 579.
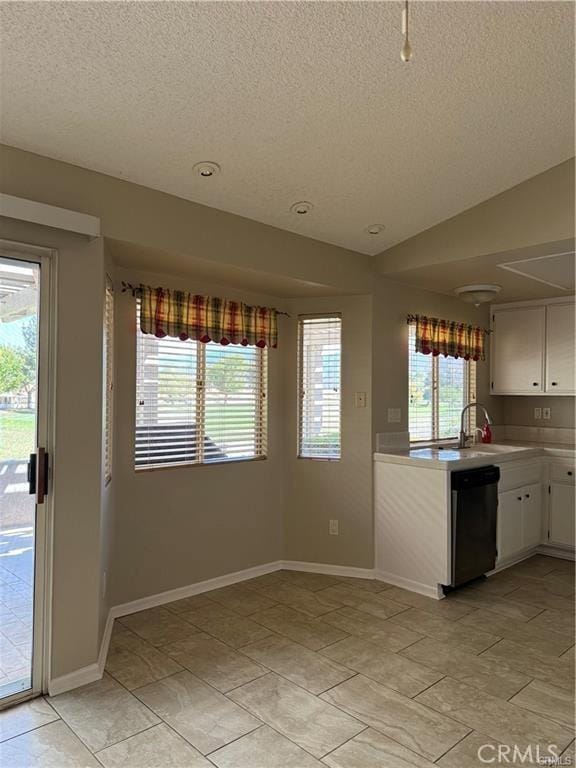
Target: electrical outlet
pixel 360 400
pixel 546 413
pixel 537 413
pixel 333 528
pixel 394 415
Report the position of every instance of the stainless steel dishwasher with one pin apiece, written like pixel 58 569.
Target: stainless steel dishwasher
pixel 474 516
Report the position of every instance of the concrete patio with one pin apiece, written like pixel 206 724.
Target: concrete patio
pixel 16 577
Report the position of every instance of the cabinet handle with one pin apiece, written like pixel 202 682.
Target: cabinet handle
pixel 519 498
pixel 527 495
pixel 569 474
pixel 554 383
pixel 534 383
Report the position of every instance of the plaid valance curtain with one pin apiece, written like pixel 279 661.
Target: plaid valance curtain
pixel 449 338
pixel 206 318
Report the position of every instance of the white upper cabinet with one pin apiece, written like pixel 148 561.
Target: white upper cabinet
pixel 532 348
pixel 516 351
pixel 560 343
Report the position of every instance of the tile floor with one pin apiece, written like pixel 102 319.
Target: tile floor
pixel 295 670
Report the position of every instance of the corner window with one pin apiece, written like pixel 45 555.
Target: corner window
pixel 198 403
pixel 439 387
pixel 319 385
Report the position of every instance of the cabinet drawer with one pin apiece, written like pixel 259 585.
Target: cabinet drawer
pixel 562 473
pixel 517 475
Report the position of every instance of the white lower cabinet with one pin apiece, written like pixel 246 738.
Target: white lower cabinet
pixel 532 516
pixel 561 515
pixel 509 528
pixel 519 520
pixel 519 508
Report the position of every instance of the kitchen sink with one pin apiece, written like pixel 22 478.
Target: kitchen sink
pixel 490 448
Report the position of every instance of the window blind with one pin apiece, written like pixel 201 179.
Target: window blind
pixel 439 387
pixel 319 418
pixel 198 403
pixel 108 378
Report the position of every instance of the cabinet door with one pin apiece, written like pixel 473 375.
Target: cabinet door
pixel 560 345
pixel 517 351
pixel 531 515
pixel 561 514
pixel 509 529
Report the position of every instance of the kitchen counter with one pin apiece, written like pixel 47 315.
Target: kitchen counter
pixel 413 502
pixel 450 458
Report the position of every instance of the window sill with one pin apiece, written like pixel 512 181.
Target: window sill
pixel 319 458
pixel 448 443
pixel 190 464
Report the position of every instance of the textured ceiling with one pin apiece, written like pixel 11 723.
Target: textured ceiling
pixel 297 101
pixel 556 262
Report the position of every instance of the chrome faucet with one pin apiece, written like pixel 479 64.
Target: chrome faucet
pixel 463 436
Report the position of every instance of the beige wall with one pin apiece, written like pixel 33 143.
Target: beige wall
pixel 159 221
pixel 157 530
pixel 76 461
pixel 317 491
pixel 519 411
pixel 540 210
pixel 392 302
pixel 174 527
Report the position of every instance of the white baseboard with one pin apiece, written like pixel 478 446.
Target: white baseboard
pixel 105 643
pixel 94 672
pixel 88 674
pixel 504 564
pixel 427 590
pixel 329 570
pixel 152 601
pixel 552 551
pixel 82 676
pixel 542 549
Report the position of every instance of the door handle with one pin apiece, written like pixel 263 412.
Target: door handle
pixel 38 475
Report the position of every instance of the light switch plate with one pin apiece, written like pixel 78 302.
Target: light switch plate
pixel 537 413
pixel 333 528
pixel 394 415
pixel 546 413
pixel 360 399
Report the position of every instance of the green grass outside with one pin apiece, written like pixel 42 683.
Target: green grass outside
pixel 448 416
pixel 17 432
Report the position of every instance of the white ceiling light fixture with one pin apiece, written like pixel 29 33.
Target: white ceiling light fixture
pixel 478 294
pixel 374 229
pixel 301 208
pixel 406 52
pixel 206 169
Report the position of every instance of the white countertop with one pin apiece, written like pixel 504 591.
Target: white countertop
pixel 452 458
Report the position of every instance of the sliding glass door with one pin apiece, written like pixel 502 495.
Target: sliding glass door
pixel 24 469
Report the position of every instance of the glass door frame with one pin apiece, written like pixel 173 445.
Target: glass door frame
pixel 45 414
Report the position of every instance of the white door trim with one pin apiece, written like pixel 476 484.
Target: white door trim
pixel 46 397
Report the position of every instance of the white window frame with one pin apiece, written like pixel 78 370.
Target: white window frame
pixel 301 393
pixel 469 391
pixel 261 424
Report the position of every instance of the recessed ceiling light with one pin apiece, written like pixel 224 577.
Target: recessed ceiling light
pixel 374 229
pixel 301 208
pixel 206 169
